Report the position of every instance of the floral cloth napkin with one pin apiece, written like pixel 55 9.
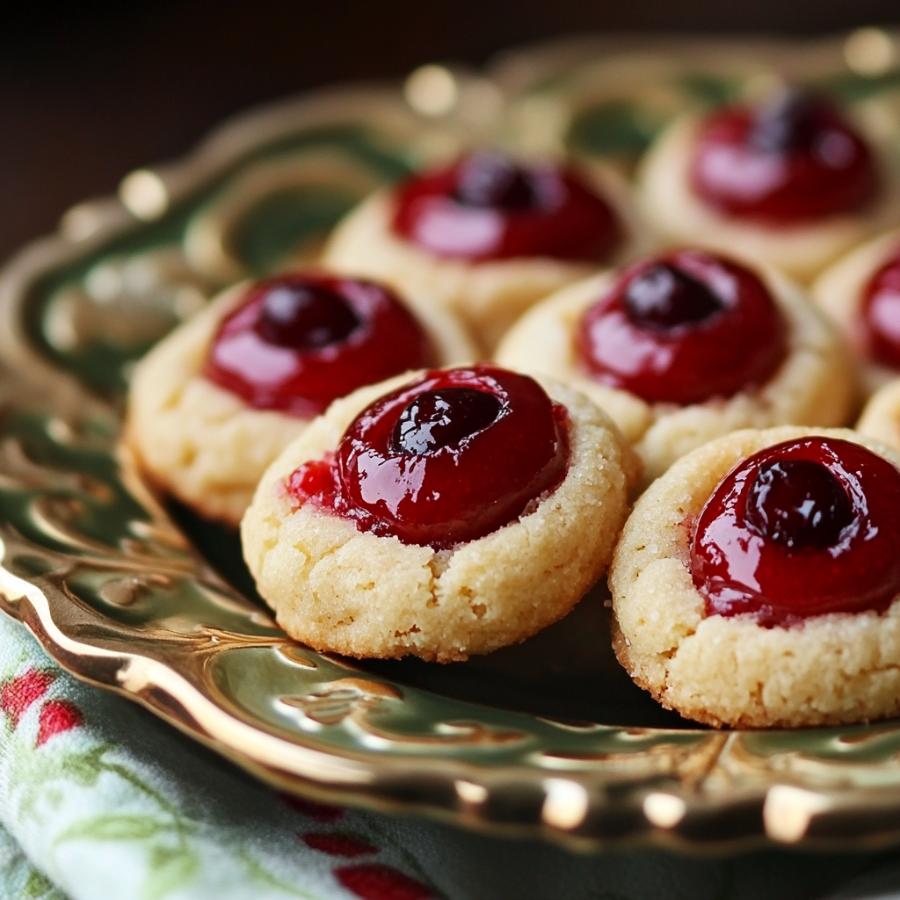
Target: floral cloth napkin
pixel 98 799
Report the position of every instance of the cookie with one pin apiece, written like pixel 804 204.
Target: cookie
pixel 438 515
pixel 880 418
pixel 486 237
pixel 756 582
pixel 217 400
pixel 685 346
pixel 860 293
pixel 791 183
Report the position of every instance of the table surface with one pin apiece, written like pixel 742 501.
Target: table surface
pixel 86 98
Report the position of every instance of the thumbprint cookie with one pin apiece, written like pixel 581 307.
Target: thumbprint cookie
pixel 880 418
pixel 791 182
pixel 488 235
pixel 860 293
pixel 756 583
pixel 685 346
pixel 440 514
pixel 218 399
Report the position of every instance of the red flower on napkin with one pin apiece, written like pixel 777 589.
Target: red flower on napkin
pixel 20 692
pixel 55 717
pixel 374 881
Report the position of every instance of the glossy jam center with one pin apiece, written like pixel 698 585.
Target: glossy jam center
pixel 494 181
pixel 792 160
pixel 881 314
pixel 436 419
pixel 444 460
pixel 488 207
pixel 299 341
pixel 664 296
pixel 788 124
pixel 807 527
pixel 683 328
pixel 798 503
pixel 305 316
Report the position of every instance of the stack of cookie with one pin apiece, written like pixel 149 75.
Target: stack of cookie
pixel 431 441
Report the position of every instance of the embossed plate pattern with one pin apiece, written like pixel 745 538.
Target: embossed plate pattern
pixel 546 739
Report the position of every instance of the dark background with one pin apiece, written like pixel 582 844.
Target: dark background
pixel 88 93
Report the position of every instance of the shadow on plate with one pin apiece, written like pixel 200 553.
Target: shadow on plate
pixel 567 672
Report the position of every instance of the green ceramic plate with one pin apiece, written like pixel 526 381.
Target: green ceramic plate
pixel 140 597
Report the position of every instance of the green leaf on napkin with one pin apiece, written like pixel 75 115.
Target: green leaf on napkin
pixel 169 868
pixel 114 827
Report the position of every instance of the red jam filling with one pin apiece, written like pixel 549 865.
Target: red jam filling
pixel 299 341
pixel 447 459
pixel 807 527
pixel 795 159
pixel 881 314
pixel 489 207
pixel 683 328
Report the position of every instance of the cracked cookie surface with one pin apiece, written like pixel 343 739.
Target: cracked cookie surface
pixel 343 590
pixel 827 669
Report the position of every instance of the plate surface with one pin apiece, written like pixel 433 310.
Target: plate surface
pixel 549 738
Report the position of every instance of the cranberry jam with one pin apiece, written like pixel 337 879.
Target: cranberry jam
pixel 447 459
pixel 486 206
pixel 299 341
pixel 881 314
pixel 682 328
pixel 807 527
pixel 792 160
